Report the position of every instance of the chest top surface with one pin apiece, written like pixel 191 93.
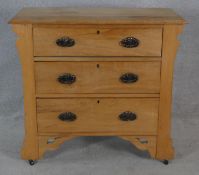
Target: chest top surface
pixel 57 15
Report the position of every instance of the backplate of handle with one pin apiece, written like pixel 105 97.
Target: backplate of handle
pixel 127 116
pixel 129 42
pixel 67 78
pixel 129 78
pixel 65 42
pixel 67 117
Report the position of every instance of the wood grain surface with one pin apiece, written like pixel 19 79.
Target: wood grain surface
pixel 96 41
pixel 98 115
pixel 97 77
pixel 62 15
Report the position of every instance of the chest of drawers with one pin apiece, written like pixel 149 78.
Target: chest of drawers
pixel 97 72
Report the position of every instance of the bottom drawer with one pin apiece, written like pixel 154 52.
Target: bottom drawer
pixel 137 116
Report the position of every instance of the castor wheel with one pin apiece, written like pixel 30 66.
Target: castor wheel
pixel 32 162
pixel 166 162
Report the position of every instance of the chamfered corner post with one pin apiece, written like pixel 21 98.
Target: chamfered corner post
pixel 165 150
pixel 24 44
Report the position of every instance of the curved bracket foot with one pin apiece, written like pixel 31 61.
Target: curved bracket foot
pixel 145 143
pixel 49 143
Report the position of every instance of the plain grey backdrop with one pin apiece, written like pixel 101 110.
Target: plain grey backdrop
pixel 102 155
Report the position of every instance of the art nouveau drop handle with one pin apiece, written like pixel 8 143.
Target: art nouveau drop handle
pixel 127 116
pixel 67 117
pixel 67 78
pixel 65 42
pixel 129 78
pixel 129 42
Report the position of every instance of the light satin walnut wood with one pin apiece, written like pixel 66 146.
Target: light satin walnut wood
pixel 63 15
pixel 97 41
pixel 97 72
pixel 99 115
pixel 97 77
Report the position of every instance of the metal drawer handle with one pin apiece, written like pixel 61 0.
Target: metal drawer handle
pixel 65 42
pixel 67 117
pixel 67 78
pixel 129 42
pixel 129 78
pixel 127 116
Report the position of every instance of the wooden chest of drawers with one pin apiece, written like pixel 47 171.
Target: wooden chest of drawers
pixel 97 72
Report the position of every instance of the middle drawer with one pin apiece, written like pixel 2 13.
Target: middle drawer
pixel 97 77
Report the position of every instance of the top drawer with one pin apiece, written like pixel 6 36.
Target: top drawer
pixel 97 41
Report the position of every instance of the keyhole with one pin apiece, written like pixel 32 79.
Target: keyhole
pixel 98 32
pixel 98 101
pixel 98 65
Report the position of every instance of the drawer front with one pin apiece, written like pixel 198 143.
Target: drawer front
pixel 97 77
pixel 134 115
pixel 66 41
